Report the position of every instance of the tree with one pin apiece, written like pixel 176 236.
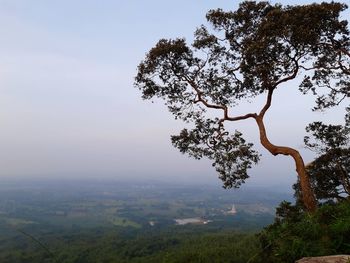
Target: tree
pixel 252 51
pixel 330 172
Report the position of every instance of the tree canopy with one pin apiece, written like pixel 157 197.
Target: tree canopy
pixel 248 52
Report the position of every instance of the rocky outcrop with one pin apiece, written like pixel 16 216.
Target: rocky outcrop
pixel 326 259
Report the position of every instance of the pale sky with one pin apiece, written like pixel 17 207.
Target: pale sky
pixel 68 108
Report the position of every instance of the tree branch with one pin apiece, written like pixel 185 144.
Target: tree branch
pixel 292 76
pixel 267 104
pixel 242 117
pixel 217 106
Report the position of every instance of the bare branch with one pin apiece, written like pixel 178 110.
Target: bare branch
pixel 217 106
pixel 242 117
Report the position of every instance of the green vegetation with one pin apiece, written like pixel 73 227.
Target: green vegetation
pixel 296 234
pixel 174 246
pixel 70 224
pixel 111 223
pixel 293 235
pixel 124 222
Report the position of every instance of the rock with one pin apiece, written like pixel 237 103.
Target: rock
pixel 326 259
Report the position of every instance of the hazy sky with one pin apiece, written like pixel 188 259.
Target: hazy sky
pixel 68 108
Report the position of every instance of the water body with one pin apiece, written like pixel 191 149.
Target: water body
pixel 185 221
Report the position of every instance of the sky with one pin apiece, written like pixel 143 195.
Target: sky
pixel 68 108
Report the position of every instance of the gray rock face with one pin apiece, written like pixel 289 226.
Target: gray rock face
pixel 326 259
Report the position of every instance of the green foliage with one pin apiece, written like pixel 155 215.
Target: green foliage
pixel 231 154
pixel 330 171
pixel 71 224
pixel 330 175
pixel 296 234
pixel 328 137
pixel 168 246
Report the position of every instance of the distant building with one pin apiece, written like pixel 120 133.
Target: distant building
pixel 233 210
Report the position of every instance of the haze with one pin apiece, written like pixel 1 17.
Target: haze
pixel 69 109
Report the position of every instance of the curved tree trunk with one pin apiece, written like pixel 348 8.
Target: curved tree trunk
pixel 308 195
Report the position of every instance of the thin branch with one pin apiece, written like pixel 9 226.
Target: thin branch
pixel 200 98
pixel 202 66
pixel 217 106
pixel 337 46
pixel 346 52
pixel 341 66
pixel 317 67
pixel 292 76
pixel 340 100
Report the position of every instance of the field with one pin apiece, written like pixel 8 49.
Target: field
pixel 41 221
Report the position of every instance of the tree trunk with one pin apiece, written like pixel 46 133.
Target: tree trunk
pixel 308 195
